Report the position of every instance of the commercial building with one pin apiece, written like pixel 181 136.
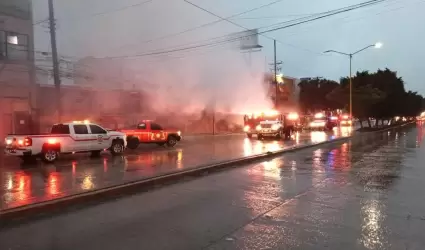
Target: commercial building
pixel 16 67
pixel 287 90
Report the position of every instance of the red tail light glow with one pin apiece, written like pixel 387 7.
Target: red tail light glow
pixel 27 142
pixel 52 141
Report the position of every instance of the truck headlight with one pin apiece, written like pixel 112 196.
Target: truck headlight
pixel 275 126
pixel 258 127
pixel 246 128
pixel 293 116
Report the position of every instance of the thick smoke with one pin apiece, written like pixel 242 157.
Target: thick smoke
pixel 226 81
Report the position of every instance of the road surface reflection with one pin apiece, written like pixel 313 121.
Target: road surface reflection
pixel 22 185
pixel 356 194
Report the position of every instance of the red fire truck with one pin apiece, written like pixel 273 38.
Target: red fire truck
pixel 148 131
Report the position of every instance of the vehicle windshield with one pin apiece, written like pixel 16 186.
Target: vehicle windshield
pixel 253 118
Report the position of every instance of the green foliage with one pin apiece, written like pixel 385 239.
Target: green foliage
pixel 364 98
pixel 313 94
pixel 380 95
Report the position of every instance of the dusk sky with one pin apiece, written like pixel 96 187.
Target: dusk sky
pixel 98 28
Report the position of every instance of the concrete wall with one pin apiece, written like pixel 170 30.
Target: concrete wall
pixel 80 103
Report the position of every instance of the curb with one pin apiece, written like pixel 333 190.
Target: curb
pixel 133 187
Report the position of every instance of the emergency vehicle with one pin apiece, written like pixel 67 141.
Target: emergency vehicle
pixel 345 121
pixel 148 131
pixel 66 138
pixel 271 124
pixel 322 121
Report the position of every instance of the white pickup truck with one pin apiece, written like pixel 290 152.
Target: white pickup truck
pixel 66 138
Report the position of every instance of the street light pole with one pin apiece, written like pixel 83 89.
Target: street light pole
pixel 350 55
pixel 351 88
pixel 275 72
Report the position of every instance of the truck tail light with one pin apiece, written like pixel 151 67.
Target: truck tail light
pixel 52 141
pixel 27 142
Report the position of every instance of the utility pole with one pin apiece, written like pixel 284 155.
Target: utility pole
pixel 275 69
pixel 56 78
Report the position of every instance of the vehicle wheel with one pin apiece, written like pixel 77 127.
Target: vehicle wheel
pixel 95 153
pixel 117 147
pixel 49 155
pixel 132 142
pixel 280 135
pixel 171 141
pixel 288 134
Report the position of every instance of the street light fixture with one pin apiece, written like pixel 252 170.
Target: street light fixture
pixel 377 45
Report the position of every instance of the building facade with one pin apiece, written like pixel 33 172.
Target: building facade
pixel 17 97
pixel 287 91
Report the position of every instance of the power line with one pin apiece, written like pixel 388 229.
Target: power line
pixel 358 6
pixel 112 11
pixel 225 38
pixel 342 21
pixel 275 17
pixel 222 42
pixel 40 22
pixel 196 45
pixel 328 13
pixel 38 51
pixel 203 25
pixel 120 9
pixel 243 27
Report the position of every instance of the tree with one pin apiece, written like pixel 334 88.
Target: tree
pixel 364 98
pixel 412 103
pixel 397 102
pixel 313 94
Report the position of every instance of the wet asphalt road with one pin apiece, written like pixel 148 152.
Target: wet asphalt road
pixel 27 184
pixel 362 194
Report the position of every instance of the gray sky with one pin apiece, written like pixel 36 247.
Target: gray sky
pixel 398 24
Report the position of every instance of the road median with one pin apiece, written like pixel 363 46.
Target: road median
pixel 117 191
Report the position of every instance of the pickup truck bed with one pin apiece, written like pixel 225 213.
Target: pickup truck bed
pixel 66 138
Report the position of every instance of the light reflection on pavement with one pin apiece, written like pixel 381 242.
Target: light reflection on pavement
pixel 23 185
pixel 364 193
